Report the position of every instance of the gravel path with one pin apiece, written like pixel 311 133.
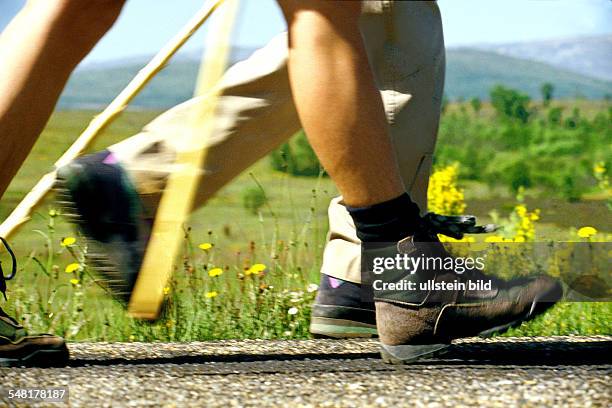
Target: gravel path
pixel 504 372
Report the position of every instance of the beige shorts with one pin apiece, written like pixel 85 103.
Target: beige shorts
pixel 256 114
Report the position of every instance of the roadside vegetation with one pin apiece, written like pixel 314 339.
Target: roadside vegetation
pixel 249 267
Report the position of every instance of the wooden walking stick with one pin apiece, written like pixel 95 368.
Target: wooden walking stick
pixel 23 211
pixel 177 201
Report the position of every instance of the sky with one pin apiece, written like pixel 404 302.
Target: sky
pixel 145 25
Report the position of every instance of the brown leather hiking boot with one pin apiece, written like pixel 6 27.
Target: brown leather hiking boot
pixel 419 311
pixel 17 348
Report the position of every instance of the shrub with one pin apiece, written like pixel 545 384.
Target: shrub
pixel 574 120
pixel 253 198
pixel 552 151
pixel 510 103
pixel 280 158
pixel 476 104
pixel 555 115
pixel 547 90
pixel 296 157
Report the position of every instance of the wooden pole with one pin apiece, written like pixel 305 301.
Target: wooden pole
pixel 177 201
pixel 23 211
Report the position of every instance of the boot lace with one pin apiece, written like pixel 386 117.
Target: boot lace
pixel 4 278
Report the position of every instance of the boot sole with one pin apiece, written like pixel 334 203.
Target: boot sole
pixel 406 354
pixel 327 327
pixel 39 358
pixel 409 353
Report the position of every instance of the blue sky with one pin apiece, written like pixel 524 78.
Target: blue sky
pixel 145 25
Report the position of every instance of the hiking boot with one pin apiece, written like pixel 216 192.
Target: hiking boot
pixel 417 323
pixel 344 309
pixel 96 194
pixel 17 348
pixel 338 311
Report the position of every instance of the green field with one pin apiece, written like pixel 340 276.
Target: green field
pixel 287 235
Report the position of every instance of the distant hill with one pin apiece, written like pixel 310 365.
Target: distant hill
pixel 95 86
pixel 470 73
pixel 473 72
pixel 590 56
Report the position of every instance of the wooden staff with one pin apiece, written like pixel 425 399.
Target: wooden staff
pixel 177 201
pixel 23 211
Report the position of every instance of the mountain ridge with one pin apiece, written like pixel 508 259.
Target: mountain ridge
pixel 588 55
pixel 471 72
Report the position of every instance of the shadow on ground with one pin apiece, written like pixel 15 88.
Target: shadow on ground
pixel 523 353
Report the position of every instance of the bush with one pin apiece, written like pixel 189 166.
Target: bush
pixel 510 103
pixel 296 157
pixel 555 115
pixel 547 90
pixel 253 198
pixel 476 104
pixel 574 120
pixel 552 152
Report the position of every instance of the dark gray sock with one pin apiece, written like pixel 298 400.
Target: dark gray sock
pixel 389 221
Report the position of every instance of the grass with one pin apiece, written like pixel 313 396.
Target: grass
pixel 287 236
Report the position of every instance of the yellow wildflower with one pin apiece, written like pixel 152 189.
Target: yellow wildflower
pixel 210 295
pixel 444 195
pixel 586 232
pixel 599 168
pixel 205 246
pixel 525 225
pixel 258 267
pixel 68 241
pixel 73 267
pixel 215 272
pixel 166 290
pixel 444 238
pixel 74 281
pixel 255 269
pixel 495 238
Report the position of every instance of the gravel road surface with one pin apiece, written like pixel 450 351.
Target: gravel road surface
pixel 500 372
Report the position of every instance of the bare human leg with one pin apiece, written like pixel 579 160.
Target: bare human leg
pixel 39 50
pixel 338 103
pixel 343 117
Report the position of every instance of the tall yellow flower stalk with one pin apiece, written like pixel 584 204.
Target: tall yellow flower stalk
pixel 603 182
pixel 444 197
pixel 525 223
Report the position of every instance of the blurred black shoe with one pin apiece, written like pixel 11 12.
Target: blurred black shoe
pixel 96 194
